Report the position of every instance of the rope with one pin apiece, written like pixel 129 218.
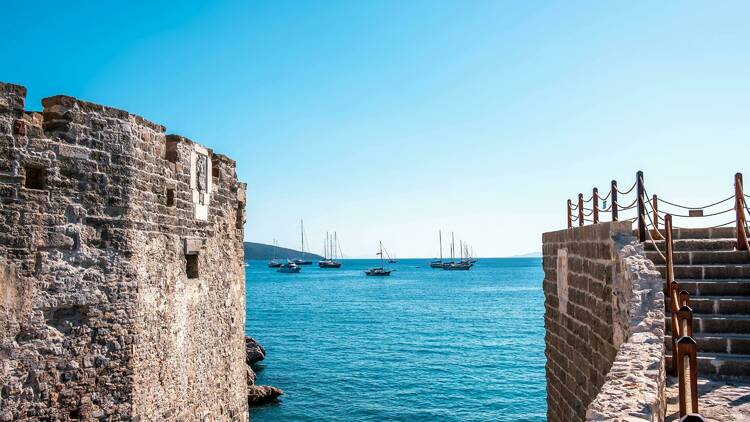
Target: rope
pixel 654 243
pixel 631 206
pixel 590 212
pixel 695 208
pixel 699 216
pixel 573 207
pixel 648 215
pixel 722 225
pixel 629 190
pixel 606 197
pixel 588 200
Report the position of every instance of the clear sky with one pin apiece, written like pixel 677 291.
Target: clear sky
pixel 388 120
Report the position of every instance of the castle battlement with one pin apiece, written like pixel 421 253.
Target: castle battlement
pixel 121 268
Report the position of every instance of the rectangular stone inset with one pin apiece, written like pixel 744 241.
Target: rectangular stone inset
pixel 562 280
pixel 192 246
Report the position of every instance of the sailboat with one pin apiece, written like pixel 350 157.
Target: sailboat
pixel 461 265
pixel 289 268
pixel 329 252
pixel 302 261
pixel 379 271
pixel 273 263
pixel 438 263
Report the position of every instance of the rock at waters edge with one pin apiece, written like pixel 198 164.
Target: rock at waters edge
pixel 258 395
pixel 254 352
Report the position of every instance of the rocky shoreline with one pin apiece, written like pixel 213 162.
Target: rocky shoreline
pixel 257 395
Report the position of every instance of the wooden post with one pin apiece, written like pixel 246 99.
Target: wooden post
pixel 688 379
pixel 739 207
pixel 614 200
pixel 655 206
pixel 684 298
pixel 570 215
pixel 595 202
pixel 580 209
pixel 641 207
pixel 685 317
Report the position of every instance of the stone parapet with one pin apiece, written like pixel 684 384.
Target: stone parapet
pixel 586 313
pixel 635 386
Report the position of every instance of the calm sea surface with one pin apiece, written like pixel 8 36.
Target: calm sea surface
pixel 421 345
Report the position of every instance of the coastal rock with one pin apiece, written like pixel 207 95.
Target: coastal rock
pixel 258 395
pixel 254 352
pixel 250 377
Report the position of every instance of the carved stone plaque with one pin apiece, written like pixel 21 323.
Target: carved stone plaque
pixel 200 181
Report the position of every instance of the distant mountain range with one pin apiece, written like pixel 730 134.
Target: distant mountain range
pixel 262 251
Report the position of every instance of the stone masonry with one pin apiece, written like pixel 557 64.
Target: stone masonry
pixel 122 292
pixel 587 313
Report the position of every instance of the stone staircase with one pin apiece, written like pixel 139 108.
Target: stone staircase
pixel 717 276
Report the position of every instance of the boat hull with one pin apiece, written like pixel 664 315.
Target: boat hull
pixel 457 267
pixel 378 273
pixel 301 262
pixel 329 264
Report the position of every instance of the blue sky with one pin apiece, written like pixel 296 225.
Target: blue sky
pixel 388 120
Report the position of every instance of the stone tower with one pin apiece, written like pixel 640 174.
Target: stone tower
pixel 122 291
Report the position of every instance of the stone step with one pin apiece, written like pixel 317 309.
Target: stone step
pixel 737 344
pixel 717 305
pixel 703 257
pixel 720 365
pixel 694 245
pixel 716 324
pixel 716 287
pixel 704 233
pixel 700 272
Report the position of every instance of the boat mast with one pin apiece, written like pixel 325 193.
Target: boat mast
pixel 302 236
pixel 381 254
pixel 440 236
pixel 335 243
pixel 453 243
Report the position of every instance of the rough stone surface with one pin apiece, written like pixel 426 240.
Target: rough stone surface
pixel 254 352
pixel 102 314
pixel 718 400
pixel 634 389
pixel 258 395
pixel 585 313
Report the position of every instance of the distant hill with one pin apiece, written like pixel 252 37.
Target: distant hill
pixel 262 251
pixel 529 255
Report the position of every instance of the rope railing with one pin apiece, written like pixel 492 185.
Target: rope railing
pixel 700 216
pixel 627 191
pixel 696 208
pixel 650 212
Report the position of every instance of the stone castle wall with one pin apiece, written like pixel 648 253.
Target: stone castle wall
pixel 585 314
pixel 604 322
pixel 121 268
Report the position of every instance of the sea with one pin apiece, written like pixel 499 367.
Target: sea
pixel 421 345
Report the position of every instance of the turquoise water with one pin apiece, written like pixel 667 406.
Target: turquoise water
pixel 421 345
